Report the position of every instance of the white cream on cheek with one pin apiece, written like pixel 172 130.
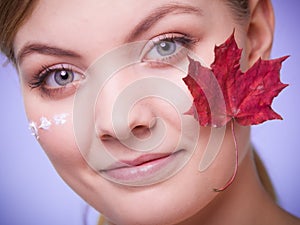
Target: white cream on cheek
pixel 45 123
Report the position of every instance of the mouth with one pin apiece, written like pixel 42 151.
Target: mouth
pixel 146 169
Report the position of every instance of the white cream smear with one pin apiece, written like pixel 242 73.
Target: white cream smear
pixel 46 123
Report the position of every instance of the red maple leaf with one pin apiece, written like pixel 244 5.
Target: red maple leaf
pixel 224 92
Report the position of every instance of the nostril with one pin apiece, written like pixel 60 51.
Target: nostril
pixel 141 131
pixel 140 126
pixel 106 137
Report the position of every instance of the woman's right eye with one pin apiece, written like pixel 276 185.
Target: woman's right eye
pixel 59 78
pixel 57 81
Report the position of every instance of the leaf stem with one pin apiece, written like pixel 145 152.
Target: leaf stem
pixel 230 181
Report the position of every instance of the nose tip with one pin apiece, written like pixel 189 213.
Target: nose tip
pixel 139 124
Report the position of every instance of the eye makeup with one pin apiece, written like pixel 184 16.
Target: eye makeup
pixel 167 48
pixel 56 81
pixel 46 123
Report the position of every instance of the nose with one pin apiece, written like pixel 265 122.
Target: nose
pixel 122 114
pixel 121 126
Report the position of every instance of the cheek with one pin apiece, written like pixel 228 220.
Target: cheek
pixel 60 145
pixel 52 123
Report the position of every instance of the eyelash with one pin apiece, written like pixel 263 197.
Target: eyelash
pixel 186 41
pixel 39 79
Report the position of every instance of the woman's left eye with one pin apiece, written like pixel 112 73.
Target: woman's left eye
pixel 163 49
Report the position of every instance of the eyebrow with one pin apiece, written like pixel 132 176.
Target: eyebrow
pixel 158 14
pixel 44 50
pixel 154 17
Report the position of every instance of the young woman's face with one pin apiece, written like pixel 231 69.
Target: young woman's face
pixel 102 85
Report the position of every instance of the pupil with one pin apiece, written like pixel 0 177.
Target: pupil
pixel 63 77
pixel 166 48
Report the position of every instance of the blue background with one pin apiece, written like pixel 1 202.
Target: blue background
pixel 31 193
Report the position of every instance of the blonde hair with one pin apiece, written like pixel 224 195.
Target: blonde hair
pixel 13 13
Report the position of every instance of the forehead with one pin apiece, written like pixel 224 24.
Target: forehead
pixel 83 25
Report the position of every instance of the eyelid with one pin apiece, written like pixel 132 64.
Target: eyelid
pixel 40 77
pixel 184 42
pixel 39 81
pixel 152 42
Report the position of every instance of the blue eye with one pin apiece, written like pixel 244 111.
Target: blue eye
pixel 56 77
pixel 57 81
pixel 60 78
pixel 164 48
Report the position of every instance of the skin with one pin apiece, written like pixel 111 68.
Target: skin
pixel 83 28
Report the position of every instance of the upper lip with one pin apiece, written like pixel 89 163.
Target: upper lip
pixel 137 161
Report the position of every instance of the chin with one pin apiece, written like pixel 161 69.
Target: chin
pixel 159 204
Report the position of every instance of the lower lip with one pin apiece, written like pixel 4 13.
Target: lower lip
pixel 148 173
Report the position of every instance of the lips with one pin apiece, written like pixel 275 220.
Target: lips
pixel 144 170
pixel 144 159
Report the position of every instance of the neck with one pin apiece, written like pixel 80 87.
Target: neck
pixel 244 202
